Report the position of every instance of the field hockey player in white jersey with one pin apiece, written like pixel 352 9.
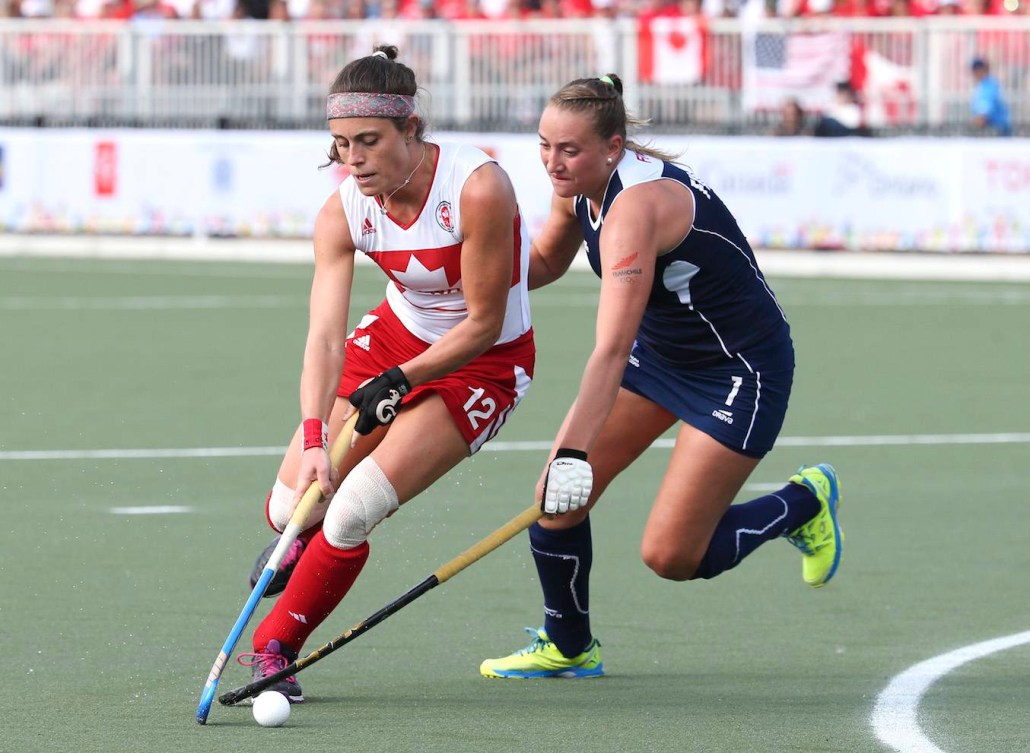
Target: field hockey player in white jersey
pixel 433 371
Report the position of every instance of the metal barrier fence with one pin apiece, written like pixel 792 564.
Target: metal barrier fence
pixel 717 77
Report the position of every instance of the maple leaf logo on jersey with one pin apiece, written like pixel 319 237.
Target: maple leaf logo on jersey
pixel 435 271
pixel 366 227
pixel 443 216
pixel 417 276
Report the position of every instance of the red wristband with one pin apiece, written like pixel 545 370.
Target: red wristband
pixel 316 433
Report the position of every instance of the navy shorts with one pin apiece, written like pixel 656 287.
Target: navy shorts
pixel 740 403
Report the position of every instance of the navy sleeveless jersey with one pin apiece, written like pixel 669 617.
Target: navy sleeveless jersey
pixel 709 302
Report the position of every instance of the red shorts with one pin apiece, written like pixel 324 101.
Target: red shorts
pixel 479 395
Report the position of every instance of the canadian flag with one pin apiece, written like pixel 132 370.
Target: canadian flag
pixel 672 49
pixel 887 88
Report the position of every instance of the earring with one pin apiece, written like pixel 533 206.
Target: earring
pixel 609 160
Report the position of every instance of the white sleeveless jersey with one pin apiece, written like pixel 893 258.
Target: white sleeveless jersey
pixel 423 259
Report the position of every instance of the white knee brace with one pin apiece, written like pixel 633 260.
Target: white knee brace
pixel 280 507
pixel 279 503
pixel 365 498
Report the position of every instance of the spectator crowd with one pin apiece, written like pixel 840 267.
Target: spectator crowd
pixel 284 10
pixel 863 81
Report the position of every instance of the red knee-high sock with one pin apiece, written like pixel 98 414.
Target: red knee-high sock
pixel 322 578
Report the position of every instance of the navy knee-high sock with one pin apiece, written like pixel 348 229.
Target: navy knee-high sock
pixel 563 559
pixel 746 526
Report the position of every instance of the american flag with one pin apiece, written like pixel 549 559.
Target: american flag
pixel 806 66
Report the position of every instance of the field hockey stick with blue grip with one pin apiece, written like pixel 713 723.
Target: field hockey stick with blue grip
pixel 307 503
pixel 443 573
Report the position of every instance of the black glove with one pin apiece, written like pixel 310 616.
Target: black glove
pixel 378 399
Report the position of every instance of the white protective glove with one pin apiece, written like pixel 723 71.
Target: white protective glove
pixel 568 482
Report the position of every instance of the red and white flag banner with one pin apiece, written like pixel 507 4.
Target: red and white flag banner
pixel 672 50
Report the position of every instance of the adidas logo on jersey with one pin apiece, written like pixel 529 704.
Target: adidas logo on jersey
pixel 366 228
pixel 363 341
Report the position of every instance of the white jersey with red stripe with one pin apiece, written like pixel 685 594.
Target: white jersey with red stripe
pixel 423 259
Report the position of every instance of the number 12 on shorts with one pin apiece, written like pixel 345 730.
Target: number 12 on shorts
pixel 486 408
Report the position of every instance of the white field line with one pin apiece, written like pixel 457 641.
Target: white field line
pixel 155 454
pixel 895 717
pixel 763 487
pixel 152 510
pixel 155 302
pixel 875 440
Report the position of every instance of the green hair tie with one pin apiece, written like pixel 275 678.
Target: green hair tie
pixel 607 80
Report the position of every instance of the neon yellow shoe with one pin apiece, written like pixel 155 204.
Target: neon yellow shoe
pixel 541 658
pixel 821 539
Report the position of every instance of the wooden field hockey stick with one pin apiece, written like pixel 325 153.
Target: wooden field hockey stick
pixel 307 503
pixel 445 572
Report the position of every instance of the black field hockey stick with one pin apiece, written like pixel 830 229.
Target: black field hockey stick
pixel 445 572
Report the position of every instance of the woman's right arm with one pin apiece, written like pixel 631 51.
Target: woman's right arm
pixel 555 247
pixel 327 332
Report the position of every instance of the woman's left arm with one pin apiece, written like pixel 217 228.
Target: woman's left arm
pixel 488 209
